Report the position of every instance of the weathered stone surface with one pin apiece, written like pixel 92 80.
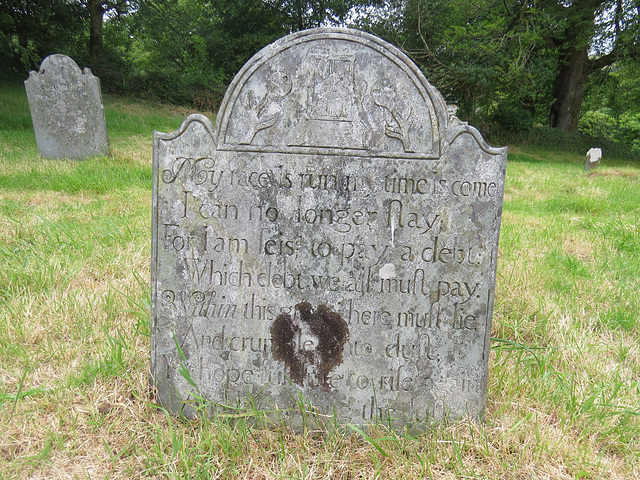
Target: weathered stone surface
pixel 594 156
pixel 66 110
pixel 335 236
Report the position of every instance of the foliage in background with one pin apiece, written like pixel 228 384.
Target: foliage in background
pixel 547 138
pixel 612 105
pixel 490 56
pixel 509 64
pixel 186 52
pixel 31 30
pixel 481 56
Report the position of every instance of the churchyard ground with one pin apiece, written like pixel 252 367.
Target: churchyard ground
pixel 75 401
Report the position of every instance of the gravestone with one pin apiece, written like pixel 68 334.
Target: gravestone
pixel 66 110
pixel 594 156
pixel 333 238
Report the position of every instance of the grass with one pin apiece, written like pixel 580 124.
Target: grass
pixel 75 401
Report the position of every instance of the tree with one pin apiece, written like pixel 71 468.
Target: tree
pixel 33 29
pixel 531 55
pixel 596 34
pixel 96 11
pixel 208 41
pixel 243 27
pixel 303 14
pixel 201 40
pixel 483 58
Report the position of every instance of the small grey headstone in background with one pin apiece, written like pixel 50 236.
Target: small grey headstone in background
pixel 66 110
pixel 334 237
pixel 594 155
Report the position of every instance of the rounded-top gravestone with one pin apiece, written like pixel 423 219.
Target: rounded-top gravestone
pixel 333 238
pixel 66 110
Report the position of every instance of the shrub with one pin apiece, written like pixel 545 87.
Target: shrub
pixel 598 124
pixel 629 130
pixel 515 120
pixel 548 138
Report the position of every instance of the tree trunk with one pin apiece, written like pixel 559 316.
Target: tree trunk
pixel 568 89
pixel 96 12
pixel 575 66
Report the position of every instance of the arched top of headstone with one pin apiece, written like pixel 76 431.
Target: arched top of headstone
pixel 62 68
pixel 333 91
pixel 59 62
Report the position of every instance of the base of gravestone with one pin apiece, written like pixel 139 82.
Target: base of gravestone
pixel 303 416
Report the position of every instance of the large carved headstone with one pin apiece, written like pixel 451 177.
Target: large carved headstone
pixel 334 236
pixel 66 110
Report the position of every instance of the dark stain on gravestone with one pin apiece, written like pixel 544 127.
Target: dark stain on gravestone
pixel 329 332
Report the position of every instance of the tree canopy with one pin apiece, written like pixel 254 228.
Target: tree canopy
pixel 31 29
pixel 515 57
pixel 512 62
